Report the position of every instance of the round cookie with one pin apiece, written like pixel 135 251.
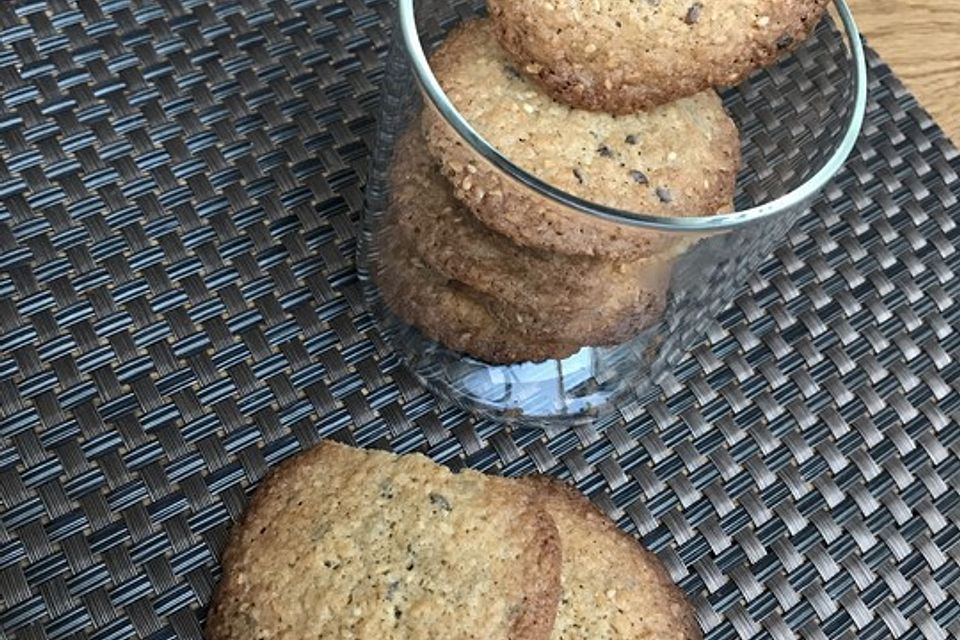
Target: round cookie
pixel 346 543
pixel 537 284
pixel 611 587
pixel 613 321
pixel 678 160
pixel 453 315
pixel 620 56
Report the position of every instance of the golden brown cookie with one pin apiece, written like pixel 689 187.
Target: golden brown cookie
pixel 345 543
pixel 582 299
pixel 454 315
pixel 621 56
pixel 677 160
pixel 612 588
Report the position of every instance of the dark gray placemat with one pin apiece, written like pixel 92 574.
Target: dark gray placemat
pixel 179 184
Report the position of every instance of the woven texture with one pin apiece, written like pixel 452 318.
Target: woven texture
pixel 179 186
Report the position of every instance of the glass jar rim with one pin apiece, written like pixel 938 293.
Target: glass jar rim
pixel 720 222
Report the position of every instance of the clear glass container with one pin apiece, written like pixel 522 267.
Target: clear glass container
pixel 798 122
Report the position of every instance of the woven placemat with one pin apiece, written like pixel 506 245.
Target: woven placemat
pixel 179 186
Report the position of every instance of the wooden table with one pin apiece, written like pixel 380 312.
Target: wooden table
pixel 920 40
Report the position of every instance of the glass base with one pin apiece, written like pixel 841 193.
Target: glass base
pixel 791 118
pixel 580 388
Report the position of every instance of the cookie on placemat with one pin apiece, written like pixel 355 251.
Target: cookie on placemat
pixel 678 160
pixel 612 588
pixel 578 298
pixel 345 543
pixel 452 314
pixel 621 56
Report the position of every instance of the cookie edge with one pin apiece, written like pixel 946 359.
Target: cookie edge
pixel 583 507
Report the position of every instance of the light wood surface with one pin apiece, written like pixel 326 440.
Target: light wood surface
pixel 920 40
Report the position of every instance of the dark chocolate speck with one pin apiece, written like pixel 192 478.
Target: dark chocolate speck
pixel 784 41
pixel 693 13
pixel 665 195
pixel 578 175
pixel 392 589
pixel 630 139
pixel 605 151
pixel 639 177
pixel 440 502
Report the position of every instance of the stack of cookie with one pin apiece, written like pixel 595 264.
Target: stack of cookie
pixel 343 543
pixel 610 101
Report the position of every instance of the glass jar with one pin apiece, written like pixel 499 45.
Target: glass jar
pixel 798 121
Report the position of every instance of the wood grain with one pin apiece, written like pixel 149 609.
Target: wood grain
pixel 920 40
